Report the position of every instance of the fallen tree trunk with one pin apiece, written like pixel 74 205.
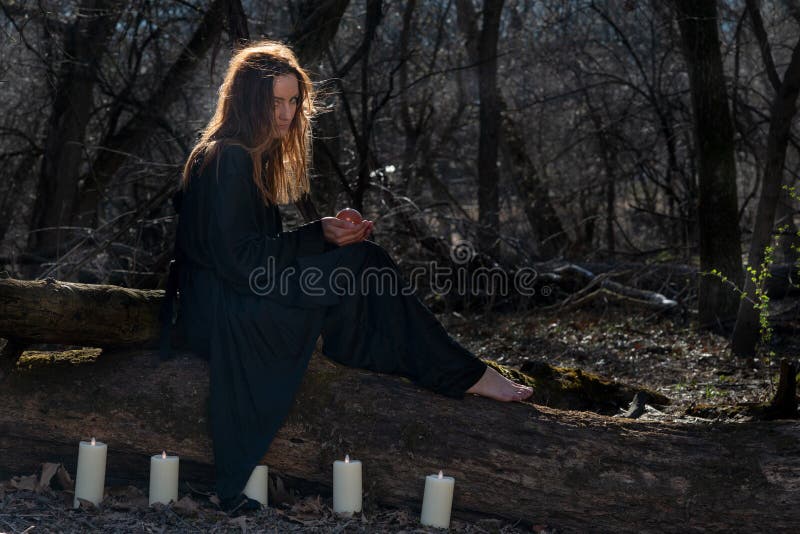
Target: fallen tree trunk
pixel 596 286
pixel 111 317
pixel 51 311
pixel 572 470
pixel 108 316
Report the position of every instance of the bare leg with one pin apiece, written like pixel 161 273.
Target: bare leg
pixel 495 386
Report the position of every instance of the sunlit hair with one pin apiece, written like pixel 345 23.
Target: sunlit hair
pixel 245 117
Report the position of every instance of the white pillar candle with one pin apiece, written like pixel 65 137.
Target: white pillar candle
pixel 163 478
pixel 346 485
pixel 437 501
pixel 256 487
pixel 90 479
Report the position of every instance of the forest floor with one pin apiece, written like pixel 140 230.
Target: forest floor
pixel 637 348
pixel 644 349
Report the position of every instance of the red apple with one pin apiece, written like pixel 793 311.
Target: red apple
pixel 349 214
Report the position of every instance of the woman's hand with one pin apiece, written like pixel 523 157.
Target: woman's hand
pixel 344 232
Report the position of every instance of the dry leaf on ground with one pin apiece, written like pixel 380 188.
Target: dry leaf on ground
pixel 240 521
pixel 49 470
pixel 186 506
pixel 27 483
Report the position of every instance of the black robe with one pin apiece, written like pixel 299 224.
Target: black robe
pixel 259 339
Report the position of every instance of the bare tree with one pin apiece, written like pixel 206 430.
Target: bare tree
pixel 85 41
pixel 317 24
pixel 782 113
pixel 718 213
pixel 119 144
pixel 488 173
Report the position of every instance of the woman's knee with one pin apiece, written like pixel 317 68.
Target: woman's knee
pixel 366 245
pixel 369 250
pixel 377 250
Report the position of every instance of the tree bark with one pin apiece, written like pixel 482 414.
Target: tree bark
pixel 15 191
pixel 317 25
pixel 95 315
pixel 85 42
pixel 411 128
pixel 549 238
pixel 372 19
pixel 489 124
pixel 121 144
pixel 570 470
pixel 607 153
pixel 782 113
pixel 238 29
pixel 720 239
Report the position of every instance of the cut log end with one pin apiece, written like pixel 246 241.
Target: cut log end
pixel 10 351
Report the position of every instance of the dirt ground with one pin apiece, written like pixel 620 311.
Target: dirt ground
pixel 644 349
pixel 638 348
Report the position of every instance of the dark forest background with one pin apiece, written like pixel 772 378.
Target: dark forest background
pixel 597 133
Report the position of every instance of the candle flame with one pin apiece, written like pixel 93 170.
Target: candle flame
pixel 164 454
pixel 440 473
pixel 93 442
pixel 347 458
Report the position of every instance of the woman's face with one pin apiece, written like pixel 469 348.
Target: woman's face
pixel 287 94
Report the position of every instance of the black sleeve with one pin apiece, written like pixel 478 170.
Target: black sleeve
pixel 238 244
pixel 310 238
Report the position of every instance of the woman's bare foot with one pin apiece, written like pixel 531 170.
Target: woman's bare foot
pixel 495 386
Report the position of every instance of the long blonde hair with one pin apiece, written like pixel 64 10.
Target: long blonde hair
pixel 244 116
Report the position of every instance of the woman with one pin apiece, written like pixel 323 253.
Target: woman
pixel 240 306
